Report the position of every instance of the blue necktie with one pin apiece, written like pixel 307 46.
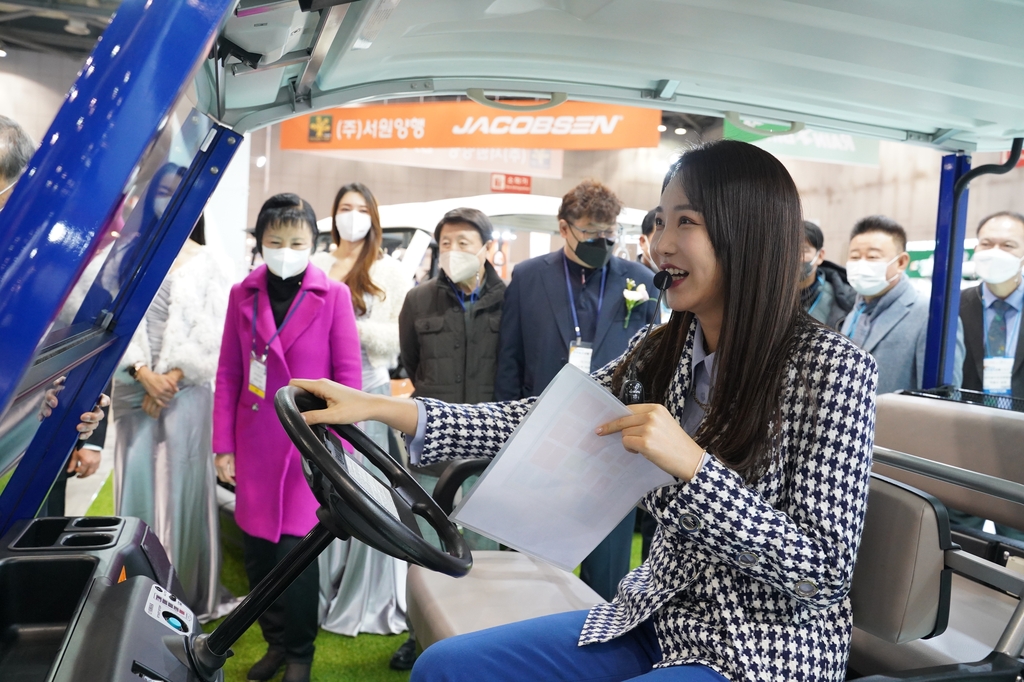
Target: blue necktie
pixel 997 329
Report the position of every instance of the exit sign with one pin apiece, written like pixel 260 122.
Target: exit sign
pixel 510 184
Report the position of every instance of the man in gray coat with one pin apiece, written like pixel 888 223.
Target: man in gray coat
pixel 889 319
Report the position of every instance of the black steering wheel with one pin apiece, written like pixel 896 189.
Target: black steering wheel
pixel 360 504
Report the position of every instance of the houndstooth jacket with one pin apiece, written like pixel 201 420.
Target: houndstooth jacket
pixel 750 580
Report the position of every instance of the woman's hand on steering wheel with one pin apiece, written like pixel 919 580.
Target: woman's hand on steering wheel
pixel 347 405
pixel 654 433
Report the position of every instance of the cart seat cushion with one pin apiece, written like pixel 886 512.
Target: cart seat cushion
pixel 982 439
pixel 897 591
pixel 502 587
pixel 977 617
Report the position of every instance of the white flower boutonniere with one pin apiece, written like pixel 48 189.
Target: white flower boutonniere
pixel 634 295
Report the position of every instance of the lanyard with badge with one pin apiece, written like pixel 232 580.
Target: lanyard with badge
pixel 258 364
pixel 580 353
pixel 997 377
pixel 461 297
pixel 852 329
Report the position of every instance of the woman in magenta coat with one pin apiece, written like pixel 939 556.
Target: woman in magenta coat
pixel 304 326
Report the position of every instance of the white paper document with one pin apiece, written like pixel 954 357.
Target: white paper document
pixel 556 489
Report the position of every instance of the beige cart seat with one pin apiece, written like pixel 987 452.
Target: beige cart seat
pixel 899 592
pixel 972 437
pixel 981 439
pixel 503 587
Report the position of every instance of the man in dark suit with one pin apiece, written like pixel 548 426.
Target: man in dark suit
pixel 570 306
pixel 991 311
pixel 991 315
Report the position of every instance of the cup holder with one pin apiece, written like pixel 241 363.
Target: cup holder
pixel 93 522
pixel 87 540
pixel 41 533
pixel 66 533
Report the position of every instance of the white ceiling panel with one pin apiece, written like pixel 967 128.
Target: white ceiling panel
pixel 920 70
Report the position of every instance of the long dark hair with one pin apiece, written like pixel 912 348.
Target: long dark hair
pixel 358 279
pixel 752 211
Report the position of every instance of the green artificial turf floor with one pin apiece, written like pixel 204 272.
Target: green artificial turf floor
pixel 338 658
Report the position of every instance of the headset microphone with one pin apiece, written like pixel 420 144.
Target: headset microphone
pixel 632 391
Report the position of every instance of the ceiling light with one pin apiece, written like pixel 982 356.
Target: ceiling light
pixel 261 161
pixel 76 27
pixel 3 52
pixel 680 131
pixel 662 128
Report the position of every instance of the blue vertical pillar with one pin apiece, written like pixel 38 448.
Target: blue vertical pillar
pixel 949 254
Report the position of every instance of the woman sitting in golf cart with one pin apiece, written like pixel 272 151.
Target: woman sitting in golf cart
pixel 751 565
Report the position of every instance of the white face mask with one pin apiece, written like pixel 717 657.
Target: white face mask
pixel 996 266
pixel 160 205
pixel 459 265
pixel 353 225
pixel 286 263
pixel 867 277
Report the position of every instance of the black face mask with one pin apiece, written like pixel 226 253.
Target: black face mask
pixel 806 270
pixel 595 253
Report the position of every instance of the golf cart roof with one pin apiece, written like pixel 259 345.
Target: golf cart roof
pixel 942 72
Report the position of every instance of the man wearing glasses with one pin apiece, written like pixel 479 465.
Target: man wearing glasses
pixel 570 306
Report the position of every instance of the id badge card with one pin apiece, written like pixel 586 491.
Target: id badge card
pixel 258 377
pixel 580 354
pixel 998 374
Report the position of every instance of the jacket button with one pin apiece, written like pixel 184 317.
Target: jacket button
pixel 805 588
pixel 255 407
pixel 747 559
pixel 458 377
pixel 456 345
pixel 456 309
pixel 689 522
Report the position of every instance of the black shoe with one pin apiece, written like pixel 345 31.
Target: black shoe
pixel 405 656
pixel 296 672
pixel 267 666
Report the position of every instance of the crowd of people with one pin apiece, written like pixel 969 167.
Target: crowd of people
pixel 192 399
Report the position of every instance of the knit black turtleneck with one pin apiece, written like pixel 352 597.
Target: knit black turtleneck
pixel 282 292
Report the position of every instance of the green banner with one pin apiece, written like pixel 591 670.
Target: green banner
pixel 812 145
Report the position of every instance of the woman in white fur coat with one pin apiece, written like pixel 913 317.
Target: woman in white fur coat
pixel 163 411
pixel 361 589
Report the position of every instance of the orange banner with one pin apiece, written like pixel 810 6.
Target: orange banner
pixel 573 125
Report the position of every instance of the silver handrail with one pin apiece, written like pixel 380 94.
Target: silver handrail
pixel 982 483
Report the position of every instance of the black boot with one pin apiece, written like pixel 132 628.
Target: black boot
pixel 267 666
pixel 404 658
pixel 296 672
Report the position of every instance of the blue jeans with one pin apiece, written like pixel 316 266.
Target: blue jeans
pixel 545 650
